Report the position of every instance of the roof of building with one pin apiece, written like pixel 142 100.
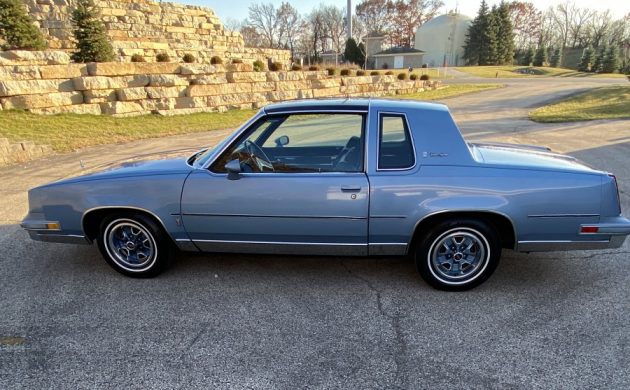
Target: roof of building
pixel 376 34
pixel 445 19
pixel 398 50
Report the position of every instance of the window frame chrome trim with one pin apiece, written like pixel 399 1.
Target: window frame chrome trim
pixel 262 113
pixel 378 141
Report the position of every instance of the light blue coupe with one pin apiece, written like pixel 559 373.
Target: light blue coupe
pixel 340 177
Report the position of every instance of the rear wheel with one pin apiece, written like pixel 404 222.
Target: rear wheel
pixel 458 255
pixel 134 245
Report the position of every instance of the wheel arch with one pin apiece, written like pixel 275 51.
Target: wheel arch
pixel 504 226
pixel 90 220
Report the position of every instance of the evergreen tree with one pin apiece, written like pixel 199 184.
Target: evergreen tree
pixel 353 52
pixel 473 44
pixel 586 60
pixel 598 64
pixel 488 54
pixel 541 56
pixel 92 41
pixel 505 35
pixel 17 28
pixel 556 58
pixel 611 61
pixel 528 58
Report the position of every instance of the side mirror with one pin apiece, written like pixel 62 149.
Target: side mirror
pixel 234 169
pixel 282 141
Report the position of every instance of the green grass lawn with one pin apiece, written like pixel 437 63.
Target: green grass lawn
pixel 449 91
pixel 68 132
pixel 508 71
pixel 599 103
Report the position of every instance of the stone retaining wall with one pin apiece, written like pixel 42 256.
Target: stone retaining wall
pixel 125 89
pixel 147 28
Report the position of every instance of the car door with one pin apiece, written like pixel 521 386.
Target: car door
pixel 301 189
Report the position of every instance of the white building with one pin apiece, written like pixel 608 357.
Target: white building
pixel 442 40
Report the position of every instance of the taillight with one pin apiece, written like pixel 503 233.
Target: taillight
pixel 617 188
pixel 589 229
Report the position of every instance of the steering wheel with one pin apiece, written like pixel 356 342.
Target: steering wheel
pixel 258 156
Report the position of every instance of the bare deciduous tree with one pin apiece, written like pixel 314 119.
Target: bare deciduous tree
pixel 264 18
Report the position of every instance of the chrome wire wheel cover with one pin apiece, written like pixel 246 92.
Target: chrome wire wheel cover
pixel 458 256
pixel 130 245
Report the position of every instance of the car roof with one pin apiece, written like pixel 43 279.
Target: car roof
pixel 350 104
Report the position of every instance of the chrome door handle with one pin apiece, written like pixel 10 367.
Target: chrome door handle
pixel 350 188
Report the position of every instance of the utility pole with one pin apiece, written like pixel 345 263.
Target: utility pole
pixel 349 18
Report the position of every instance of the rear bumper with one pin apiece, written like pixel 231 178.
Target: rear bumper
pixel 611 233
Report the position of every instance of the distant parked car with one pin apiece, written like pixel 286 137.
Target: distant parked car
pixel 340 177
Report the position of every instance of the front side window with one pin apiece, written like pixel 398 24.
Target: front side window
pixel 299 143
pixel 395 148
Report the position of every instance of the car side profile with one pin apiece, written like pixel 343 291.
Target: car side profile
pixel 359 177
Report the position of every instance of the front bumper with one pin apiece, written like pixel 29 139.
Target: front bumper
pixel 50 231
pixel 610 234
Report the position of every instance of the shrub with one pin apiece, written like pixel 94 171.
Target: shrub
pixel 385 66
pixel 425 66
pixel 402 76
pixel 216 60
pixel 353 52
pixel 162 57
pixel 137 58
pixel 424 77
pixel 92 41
pixel 313 67
pixel 237 61
pixel 331 71
pixel 17 28
pixel 275 66
pixel 374 73
pixel 389 73
pixel 188 58
pixel 345 72
pixel 413 77
pixel 360 72
pixel 259 66
pixel 296 67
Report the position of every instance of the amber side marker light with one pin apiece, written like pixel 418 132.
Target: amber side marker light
pixel 589 229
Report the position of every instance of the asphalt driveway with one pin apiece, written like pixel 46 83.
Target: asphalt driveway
pixel 559 320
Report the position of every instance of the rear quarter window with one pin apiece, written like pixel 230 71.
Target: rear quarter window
pixel 395 149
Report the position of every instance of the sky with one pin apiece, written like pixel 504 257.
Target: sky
pixel 237 9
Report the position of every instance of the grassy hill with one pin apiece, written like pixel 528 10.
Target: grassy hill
pixel 511 71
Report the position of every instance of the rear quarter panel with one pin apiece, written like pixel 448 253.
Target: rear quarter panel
pixel 542 205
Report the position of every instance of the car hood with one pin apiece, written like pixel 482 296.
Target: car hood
pixel 526 156
pixel 134 168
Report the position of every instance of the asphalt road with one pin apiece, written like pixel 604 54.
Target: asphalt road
pixel 558 320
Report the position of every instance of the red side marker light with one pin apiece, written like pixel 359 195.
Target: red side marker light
pixel 589 229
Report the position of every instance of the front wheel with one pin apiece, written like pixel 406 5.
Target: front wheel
pixel 458 254
pixel 134 245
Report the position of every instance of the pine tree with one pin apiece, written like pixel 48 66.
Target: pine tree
pixel 17 28
pixel 473 44
pixel 586 60
pixel 488 54
pixel 611 61
pixel 528 58
pixel 92 41
pixel 598 64
pixel 505 35
pixel 541 56
pixel 556 58
pixel 353 52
